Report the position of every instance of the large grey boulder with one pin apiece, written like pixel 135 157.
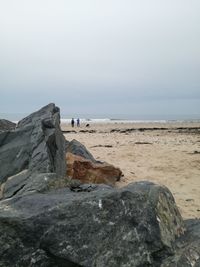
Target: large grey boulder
pixel 6 125
pixel 134 226
pixel 36 145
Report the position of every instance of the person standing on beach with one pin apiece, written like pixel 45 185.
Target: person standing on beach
pixel 78 122
pixel 72 122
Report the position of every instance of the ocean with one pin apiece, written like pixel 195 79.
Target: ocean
pixel 118 118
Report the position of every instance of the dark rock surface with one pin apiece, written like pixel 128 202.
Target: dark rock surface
pixel 187 247
pixel 87 131
pixel 6 125
pixel 76 148
pixel 37 145
pixel 25 183
pixel 134 226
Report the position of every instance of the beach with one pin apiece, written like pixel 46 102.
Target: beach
pixel 164 153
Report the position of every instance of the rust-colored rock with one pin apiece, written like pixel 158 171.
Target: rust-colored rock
pixel 89 172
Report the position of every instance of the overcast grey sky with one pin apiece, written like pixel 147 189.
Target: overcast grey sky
pixel 100 57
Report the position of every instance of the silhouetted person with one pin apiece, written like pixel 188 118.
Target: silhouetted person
pixel 78 122
pixel 72 122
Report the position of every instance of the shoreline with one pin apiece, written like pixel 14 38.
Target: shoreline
pixel 131 127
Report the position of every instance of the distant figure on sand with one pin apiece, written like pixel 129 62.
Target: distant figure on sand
pixel 78 122
pixel 72 122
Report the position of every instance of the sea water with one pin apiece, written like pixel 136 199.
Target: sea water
pixel 130 118
pixel 119 118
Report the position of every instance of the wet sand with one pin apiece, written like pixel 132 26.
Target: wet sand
pixel 167 154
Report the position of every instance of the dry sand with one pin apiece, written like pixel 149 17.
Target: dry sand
pixel 169 157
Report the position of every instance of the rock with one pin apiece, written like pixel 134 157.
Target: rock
pixel 108 146
pixel 82 165
pixel 14 184
pixel 87 131
pixel 36 145
pixel 49 115
pixel 187 247
pixel 26 183
pixel 68 131
pixel 47 221
pixel 6 125
pixel 79 149
pixel 89 172
pixel 77 186
pixel 134 226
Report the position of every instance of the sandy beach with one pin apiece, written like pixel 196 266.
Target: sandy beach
pixel 167 154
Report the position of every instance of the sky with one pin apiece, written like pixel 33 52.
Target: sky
pixel 101 57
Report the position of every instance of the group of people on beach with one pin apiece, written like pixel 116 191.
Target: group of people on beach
pixel 77 122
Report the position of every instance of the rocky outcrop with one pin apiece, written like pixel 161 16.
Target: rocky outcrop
pixel 134 226
pixel 45 222
pixel 81 165
pixel 88 172
pixel 36 146
pixel 6 125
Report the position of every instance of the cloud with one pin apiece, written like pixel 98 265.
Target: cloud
pixel 99 53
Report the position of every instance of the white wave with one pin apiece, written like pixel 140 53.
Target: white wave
pixel 112 121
